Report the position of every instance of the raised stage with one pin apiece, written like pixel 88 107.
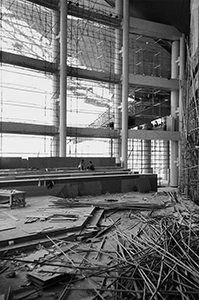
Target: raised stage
pixel 94 183
pixel 69 182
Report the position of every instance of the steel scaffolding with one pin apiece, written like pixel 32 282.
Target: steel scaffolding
pixel 94 35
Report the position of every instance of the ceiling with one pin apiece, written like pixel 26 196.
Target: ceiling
pixel 170 12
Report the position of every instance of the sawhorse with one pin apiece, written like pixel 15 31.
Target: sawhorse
pixel 15 197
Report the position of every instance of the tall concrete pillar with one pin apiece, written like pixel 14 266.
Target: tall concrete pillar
pixel 165 162
pixel 181 77
pixel 56 80
pixel 146 156
pixel 132 154
pixel 63 76
pixel 118 87
pixel 125 83
pixel 174 108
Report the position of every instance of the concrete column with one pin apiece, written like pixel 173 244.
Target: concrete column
pixel 125 83
pixel 165 162
pixel 111 147
pixel 146 156
pixel 181 77
pixel 132 156
pixel 118 87
pixel 56 80
pixel 63 76
pixel 174 107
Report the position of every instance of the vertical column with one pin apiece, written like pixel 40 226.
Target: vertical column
pixel 118 86
pixel 146 156
pixel 111 147
pixel 125 83
pixel 56 80
pixel 174 107
pixel 181 77
pixel 63 76
pixel 165 162
pixel 132 154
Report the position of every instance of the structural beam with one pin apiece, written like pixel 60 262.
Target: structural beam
pixel 139 26
pixel 153 29
pixel 107 19
pixel 46 66
pixel 79 12
pixel 93 75
pixel 28 129
pixel 154 135
pixel 27 62
pixel 51 4
pixel 92 132
pixel 154 82
pixel 50 130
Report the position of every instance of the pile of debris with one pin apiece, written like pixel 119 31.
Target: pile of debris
pixel 135 254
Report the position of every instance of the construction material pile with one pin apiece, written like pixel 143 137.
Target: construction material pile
pixel 133 253
pixel 159 263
